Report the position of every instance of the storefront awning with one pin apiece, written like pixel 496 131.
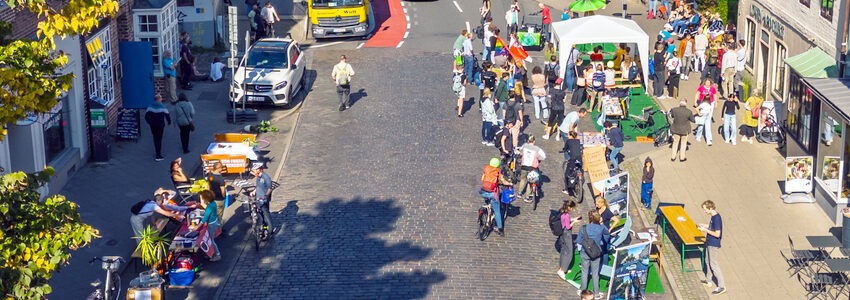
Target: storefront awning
pixel 814 63
pixel 834 91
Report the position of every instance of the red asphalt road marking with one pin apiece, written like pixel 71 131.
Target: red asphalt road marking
pixel 390 32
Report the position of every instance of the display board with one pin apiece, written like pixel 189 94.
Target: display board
pixel 616 191
pixel 798 174
pixel 595 164
pixel 128 124
pixel 631 267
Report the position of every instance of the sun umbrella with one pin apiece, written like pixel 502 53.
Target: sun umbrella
pixel 587 5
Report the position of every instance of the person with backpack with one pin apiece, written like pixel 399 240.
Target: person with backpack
pixel 551 69
pixel 531 157
pixel 488 80
pixel 491 179
pixel 565 237
pixel 505 140
pixel 341 75
pixel 459 89
pixel 597 87
pixel 514 113
pixel 591 239
pixel 557 114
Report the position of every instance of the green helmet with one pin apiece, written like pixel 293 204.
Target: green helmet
pixel 495 162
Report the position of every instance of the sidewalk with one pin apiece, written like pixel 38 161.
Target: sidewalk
pixel 748 200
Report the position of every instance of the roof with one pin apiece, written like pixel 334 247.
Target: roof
pixel 833 90
pixel 150 4
pixel 814 63
pixel 600 28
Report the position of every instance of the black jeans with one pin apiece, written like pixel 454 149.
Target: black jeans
pixel 186 73
pixel 343 90
pixel 157 139
pixel 184 137
pixel 267 215
pixel 674 84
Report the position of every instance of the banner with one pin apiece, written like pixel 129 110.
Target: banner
pixel 798 174
pixel 631 265
pixel 831 174
pixel 616 191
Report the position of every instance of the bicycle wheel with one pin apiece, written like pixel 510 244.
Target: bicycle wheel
pixel 661 137
pixel 115 286
pixel 578 189
pixel 483 224
pixel 257 229
pixel 534 197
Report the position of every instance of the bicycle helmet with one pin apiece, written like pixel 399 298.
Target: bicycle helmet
pixel 533 176
pixel 495 162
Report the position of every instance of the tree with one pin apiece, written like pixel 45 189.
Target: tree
pixel 35 235
pixel 28 67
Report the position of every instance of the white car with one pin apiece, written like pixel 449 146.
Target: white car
pixel 274 68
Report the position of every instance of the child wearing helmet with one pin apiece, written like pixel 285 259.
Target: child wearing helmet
pixel 491 179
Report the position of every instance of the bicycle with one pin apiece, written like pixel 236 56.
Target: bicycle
pixel 252 207
pixel 662 136
pixel 770 133
pixel 486 221
pixel 533 177
pixel 113 282
pixel 575 179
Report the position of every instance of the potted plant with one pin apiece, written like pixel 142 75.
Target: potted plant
pixel 152 246
pixel 264 126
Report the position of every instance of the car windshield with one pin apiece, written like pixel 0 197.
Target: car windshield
pixel 267 57
pixel 336 3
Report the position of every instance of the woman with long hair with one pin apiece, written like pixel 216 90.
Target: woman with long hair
pixel 565 240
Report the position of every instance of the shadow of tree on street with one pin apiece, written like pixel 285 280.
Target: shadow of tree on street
pixel 334 249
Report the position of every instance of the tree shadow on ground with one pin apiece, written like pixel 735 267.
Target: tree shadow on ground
pixel 334 249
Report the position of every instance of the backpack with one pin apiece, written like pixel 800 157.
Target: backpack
pixel 458 84
pixel 489 79
pixel 498 137
pixel 598 81
pixel 510 112
pixel 712 57
pixel 551 72
pixel 137 208
pixel 341 76
pixel 555 224
pixel 590 247
pixel 507 196
pixel 479 32
pixel 490 179
pixel 633 73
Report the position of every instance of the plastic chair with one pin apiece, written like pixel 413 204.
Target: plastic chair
pixel 645 121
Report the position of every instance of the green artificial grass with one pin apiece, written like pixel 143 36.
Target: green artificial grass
pixel 653 279
pixel 638 101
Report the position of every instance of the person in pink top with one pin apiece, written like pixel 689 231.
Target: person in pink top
pixel 566 238
pixel 707 88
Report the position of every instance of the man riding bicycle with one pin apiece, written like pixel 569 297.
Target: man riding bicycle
pixel 490 182
pixel 263 194
pixel 531 157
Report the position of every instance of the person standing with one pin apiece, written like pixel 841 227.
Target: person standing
pixel 259 23
pixel 270 16
pixel 703 120
pixel 157 116
pixel 532 155
pixel 211 220
pixel 700 46
pixel 487 41
pixel 459 89
pixel 341 75
pixel 751 123
pixel 713 234
pixel 538 92
pixel 681 128
pixel 615 139
pixel 169 68
pixel 570 123
pixel 218 186
pixel 741 55
pixel 590 266
pixel 571 71
pixel 468 59
pixel 512 18
pixel 547 21
pixel 184 111
pixel 514 113
pixel 730 107
pixel 646 183
pixel 658 66
pixel 187 61
pixel 674 68
pixel 566 239
pixel 686 54
pixel 488 119
pixel 263 194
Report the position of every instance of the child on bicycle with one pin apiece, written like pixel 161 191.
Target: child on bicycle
pixel 491 179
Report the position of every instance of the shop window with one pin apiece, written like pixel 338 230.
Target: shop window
pixel 751 42
pixel 800 108
pixel 154 50
pixel 826 9
pixel 162 35
pixel 779 70
pixel 57 133
pixel 830 149
pixel 148 23
pixel 101 75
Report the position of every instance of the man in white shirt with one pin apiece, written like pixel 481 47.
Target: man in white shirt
pixel 700 44
pixel 341 75
pixel 742 61
pixel 270 15
pixel 485 54
pixel 730 62
pixel 468 60
pixel 531 157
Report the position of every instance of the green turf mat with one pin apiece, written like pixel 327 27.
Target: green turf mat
pixel 636 104
pixel 653 281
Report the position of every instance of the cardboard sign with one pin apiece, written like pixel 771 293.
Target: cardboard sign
pixel 235 137
pixel 595 165
pixel 233 163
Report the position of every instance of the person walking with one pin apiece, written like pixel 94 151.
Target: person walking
pixel 538 92
pixel 751 121
pixel 703 120
pixel 713 234
pixel 730 65
pixel 681 128
pixel 532 155
pixel 686 54
pixel 565 240
pixel 615 140
pixel 730 107
pixel 488 119
pixel 646 183
pixel 169 68
pixel 156 115
pixel 590 266
pixel 270 16
pixel 341 75
pixel 557 114
pixel 184 112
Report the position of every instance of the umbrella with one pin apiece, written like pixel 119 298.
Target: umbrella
pixel 586 5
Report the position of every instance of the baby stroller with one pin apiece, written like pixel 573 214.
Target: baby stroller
pixel 529 32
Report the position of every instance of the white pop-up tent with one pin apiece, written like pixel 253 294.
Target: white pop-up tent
pixel 600 29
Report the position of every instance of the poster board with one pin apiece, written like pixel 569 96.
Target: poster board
pixel 616 191
pixel 798 174
pixel 767 109
pixel 128 124
pixel 595 164
pixel 831 174
pixel 631 267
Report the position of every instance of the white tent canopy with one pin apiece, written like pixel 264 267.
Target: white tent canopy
pixel 600 29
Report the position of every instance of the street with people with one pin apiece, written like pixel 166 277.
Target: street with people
pixel 379 179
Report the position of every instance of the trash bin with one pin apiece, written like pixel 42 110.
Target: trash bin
pixel 845 228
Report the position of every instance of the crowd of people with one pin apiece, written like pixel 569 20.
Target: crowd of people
pixel 689 43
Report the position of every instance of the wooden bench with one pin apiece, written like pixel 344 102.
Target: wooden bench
pixel 235 137
pixel 692 239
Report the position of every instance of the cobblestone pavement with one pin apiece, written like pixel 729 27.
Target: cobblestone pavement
pixel 380 201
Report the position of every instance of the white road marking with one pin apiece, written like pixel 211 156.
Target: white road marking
pixel 406 17
pixel 467 26
pixel 399 44
pixel 361 45
pixel 408 26
pixel 405 10
pixel 325 45
pixel 406 33
pixel 458 6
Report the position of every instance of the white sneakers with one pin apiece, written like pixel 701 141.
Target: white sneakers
pixel 562 275
pixel 546 137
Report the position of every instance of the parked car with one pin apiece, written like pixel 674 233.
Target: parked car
pixel 274 68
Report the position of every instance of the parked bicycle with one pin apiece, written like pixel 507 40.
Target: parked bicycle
pixel 112 288
pixel 575 179
pixel 662 135
pixel 771 132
